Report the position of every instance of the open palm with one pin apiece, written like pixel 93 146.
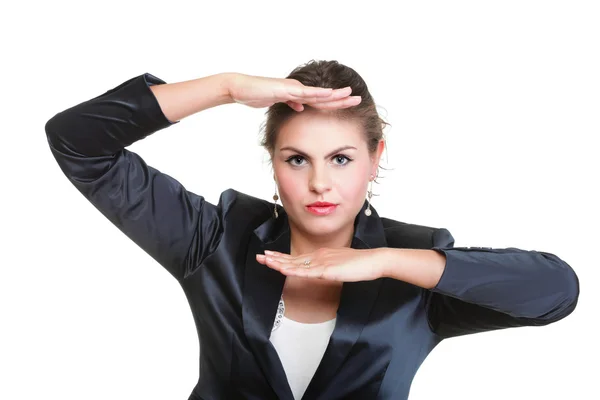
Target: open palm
pixel 342 264
pixel 258 92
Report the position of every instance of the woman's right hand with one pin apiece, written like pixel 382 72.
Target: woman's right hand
pixel 258 92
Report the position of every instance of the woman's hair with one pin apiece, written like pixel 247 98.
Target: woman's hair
pixel 329 74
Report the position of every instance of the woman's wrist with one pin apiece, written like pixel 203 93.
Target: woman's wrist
pixel 227 85
pixel 420 267
pixel 182 99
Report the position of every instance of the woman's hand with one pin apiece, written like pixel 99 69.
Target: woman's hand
pixel 258 92
pixel 343 264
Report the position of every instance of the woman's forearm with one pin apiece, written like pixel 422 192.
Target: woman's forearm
pixel 419 267
pixel 520 283
pixel 181 99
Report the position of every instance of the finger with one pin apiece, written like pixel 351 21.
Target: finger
pixel 287 258
pixel 277 254
pixel 336 94
pixel 309 91
pixel 278 265
pixel 261 259
pixel 272 261
pixel 343 103
pixel 283 264
pixel 300 262
pixel 269 262
pixel 295 106
pixel 314 273
pixel 283 261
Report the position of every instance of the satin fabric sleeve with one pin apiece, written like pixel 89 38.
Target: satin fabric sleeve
pixel 484 289
pixel 174 226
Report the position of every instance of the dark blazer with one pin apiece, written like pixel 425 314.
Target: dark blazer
pixel 385 328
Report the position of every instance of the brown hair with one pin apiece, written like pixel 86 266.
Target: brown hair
pixel 328 74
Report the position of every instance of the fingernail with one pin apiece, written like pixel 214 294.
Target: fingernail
pixel 269 252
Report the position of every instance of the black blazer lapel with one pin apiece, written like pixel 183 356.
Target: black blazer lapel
pixel 263 287
pixel 357 300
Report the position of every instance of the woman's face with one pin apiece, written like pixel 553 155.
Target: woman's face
pixel 320 158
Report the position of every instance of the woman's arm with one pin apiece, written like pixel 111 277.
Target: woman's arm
pixel 472 290
pixel 419 267
pixel 176 227
pixel 182 99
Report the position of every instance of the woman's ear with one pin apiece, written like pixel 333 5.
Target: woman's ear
pixel 380 148
pixel 377 156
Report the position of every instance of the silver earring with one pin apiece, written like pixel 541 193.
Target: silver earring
pixel 275 198
pixel 369 195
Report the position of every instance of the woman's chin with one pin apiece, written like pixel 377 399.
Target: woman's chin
pixel 323 227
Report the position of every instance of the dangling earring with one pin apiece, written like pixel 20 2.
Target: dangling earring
pixel 369 195
pixel 275 198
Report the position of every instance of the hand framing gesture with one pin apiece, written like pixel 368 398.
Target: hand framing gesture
pixel 257 92
pixel 343 264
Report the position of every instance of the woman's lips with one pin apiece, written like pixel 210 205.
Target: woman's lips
pixel 321 210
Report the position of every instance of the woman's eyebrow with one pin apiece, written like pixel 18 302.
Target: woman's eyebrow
pixel 334 152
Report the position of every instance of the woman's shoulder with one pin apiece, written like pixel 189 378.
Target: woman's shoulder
pixel 232 202
pixel 407 235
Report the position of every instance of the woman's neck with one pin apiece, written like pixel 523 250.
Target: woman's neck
pixel 301 243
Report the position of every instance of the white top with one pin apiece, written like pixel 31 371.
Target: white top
pixel 301 347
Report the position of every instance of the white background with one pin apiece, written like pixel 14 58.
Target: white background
pixel 494 109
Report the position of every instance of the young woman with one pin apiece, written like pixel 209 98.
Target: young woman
pixel 317 298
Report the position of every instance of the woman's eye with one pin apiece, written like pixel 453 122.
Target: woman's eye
pixel 295 160
pixel 298 161
pixel 341 159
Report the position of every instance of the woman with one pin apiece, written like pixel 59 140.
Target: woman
pixel 317 298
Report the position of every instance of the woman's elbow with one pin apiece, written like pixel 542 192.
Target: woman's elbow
pixel 566 292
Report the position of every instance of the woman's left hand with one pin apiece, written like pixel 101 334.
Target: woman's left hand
pixel 343 264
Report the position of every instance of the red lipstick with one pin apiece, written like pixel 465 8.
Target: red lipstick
pixel 321 208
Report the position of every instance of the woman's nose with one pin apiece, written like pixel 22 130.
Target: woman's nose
pixel 320 180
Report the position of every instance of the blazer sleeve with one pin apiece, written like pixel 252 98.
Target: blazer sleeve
pixel 174 226
pixel 484 289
